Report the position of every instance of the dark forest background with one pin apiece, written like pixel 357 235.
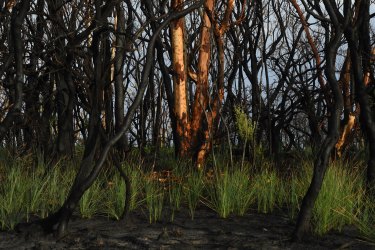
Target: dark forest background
pixel 94 81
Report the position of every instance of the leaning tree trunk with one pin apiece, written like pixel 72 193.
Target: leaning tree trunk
pixel 322 160
pixel 58 221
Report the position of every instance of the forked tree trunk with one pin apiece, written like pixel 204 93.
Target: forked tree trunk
pixel 195 132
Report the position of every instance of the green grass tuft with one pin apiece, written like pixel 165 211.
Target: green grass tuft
pixel 154 197
pixel 269 190
pixel 193 190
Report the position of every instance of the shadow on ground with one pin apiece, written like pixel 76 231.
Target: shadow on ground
pixel 206 231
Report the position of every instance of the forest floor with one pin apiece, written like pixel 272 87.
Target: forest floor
pixel 206 231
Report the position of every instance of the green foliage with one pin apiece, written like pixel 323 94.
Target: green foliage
pixel 35 192
pixel 337 197
pixel 136 181
pixel 57 188
pixel 154 196
pixel 92 200
pixel 297 186
pixel 230 192
pixel 339 201
pixel 12 196
pixel 244 195
pixel 269 190
pixel 364 218
pixel 175 188
pixel 220 192
pixel 175 191
pixel 115 196
pixel 246 127
pixel 32 190
pixel 115 191
pixel 193 190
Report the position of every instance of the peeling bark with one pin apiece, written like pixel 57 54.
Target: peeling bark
pixel 180 81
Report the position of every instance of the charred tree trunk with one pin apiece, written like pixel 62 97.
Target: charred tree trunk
pixel 89 169
pixel 119 68
pixel 358 38
pixel 322 160
pixel 18 15
pixel 65 95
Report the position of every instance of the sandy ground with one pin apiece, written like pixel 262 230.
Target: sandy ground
pixel 206 231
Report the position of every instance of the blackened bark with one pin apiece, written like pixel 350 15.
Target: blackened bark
pixel 108 88
pixel 360 51
pixel 118 74
pixel 158 118
pixel 58 221
pixel 169 93
pixel 322 160
pixel 18 15
pixel 65 105
pixel 65 95
pixel 32 120
pixel 44 128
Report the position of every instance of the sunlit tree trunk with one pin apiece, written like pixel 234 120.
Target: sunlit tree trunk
pixel 200 134
pixel 196 132
pixel 349 116
pixel 180 81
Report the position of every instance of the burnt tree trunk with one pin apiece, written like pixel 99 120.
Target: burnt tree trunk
pixel 18 15
pixel 322 160
pixel 358 38
pixel 89 169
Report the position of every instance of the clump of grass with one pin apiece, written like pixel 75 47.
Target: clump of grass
pixel 34 196
pixel 193 190
pixel 154 197
pixel 337 197
pixel 115 192
pixel 136 182
pixel 175 191
pixel 244 195
pixel 297 185
pixel 364 219
pixel 12 196
pixel 175 188
pixel 57 189
pixel 92 200
pixel 339 200
pixel 268 189
pixel 115 197
pixel 230 192
pixel 220 192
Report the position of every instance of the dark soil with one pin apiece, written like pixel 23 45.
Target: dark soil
pixel 206 231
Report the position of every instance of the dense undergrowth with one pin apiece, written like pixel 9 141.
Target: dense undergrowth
pixel 28 189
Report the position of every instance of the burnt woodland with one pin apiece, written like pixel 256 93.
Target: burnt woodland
pixel 93 86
